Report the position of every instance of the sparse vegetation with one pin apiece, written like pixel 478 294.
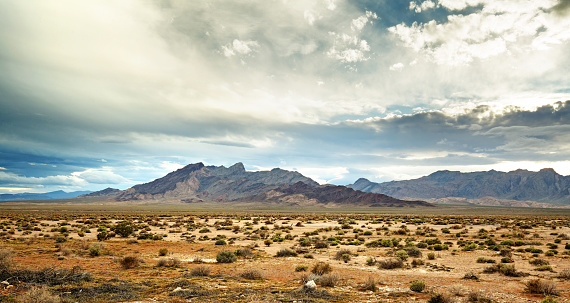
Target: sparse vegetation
pixel 418 286
pixel 226 256
pixel 538 286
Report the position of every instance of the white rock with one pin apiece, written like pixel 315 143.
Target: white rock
pixel 311 284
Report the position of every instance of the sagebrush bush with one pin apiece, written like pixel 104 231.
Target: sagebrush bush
pixel 286 252
pixel 329 280
pixel 130 262
pixel 200 271
pixel 6 262
pixel 95 250
pixel 163 251
pixel 244 253
pixel 251 274
pixel 417 286
pixel 431 256
pixel 391 263
pixel 478 296
pixel 339 254
pixel 369 284
pixel 168 262
pixel 321 268
pixel 565 274
pixel 441 298
pixel 226 256
pixel 541 287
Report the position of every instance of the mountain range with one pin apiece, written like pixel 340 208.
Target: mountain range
pixel 42 196
pixel 196 183
pixel 544 186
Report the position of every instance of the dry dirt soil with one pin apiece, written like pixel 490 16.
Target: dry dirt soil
pixel 70 257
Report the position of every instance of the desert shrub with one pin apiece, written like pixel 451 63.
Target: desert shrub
pixel 544 268
pixel 370 261
pixel 485 260
pixel 321 268
pixel 308 256
pixel 251 274
pixel 471 276
pixel 369 284
pixel 200 271
pixel 102 236
pixel 478 296
pixel 417 286
pixel 329 280
pixel 244 253
pixel 391 263
pixel 548 300
pixel 301 267
pixel 226 256
pixel 441 298
pixel 124 229
pixel 565 274
pixel 541 287
pixel 413 251
pixel 168 262
pixel 220 242
pixel 340 253
pixel 321 244
pixel 130 262
pixel 47 276
pixel 95 250
pixel 507 260
pixel 38 295
pixel 286 252
pixel 60 239
pixel 504 269
pixel 402 254
pixel 417 262
pixel 431 256
pixel 163 251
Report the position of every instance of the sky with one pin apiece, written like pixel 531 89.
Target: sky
pixel 113 93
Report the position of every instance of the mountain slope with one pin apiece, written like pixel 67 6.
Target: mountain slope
pixel 42 196
pixel 199 182
pixel 303 194
pixel 521 185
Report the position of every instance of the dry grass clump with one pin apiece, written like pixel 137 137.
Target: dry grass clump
pixel 200 271
pixel 504 269
pixel 541 287
pixel 343 254
pixel 471 276
pixel 244 253
pixel 441 298
pixel 168 262
pixel 369 284
pixel 251 274
pixel 321 268
pixel 565 274
pixel 286 252
pixel 418 286
pixel 38 295
pixel 478 296
pixel 130 262
pixel 329 280
pixel 163 251
pixel 391 263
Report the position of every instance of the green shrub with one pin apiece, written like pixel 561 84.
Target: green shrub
pixel 220 242
pixel 402 254
pixel 417 286
pixel 226 256
pixel 163 251
pixel 95 250
pixel 301 267
pixel 431 256
pixel 124 229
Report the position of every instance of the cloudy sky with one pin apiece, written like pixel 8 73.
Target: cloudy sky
pixel 97 94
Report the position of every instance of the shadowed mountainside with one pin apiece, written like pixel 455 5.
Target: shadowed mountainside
pixel 196 182
pixel 304 195
pixel 545 186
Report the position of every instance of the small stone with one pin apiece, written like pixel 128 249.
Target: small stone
pixel 311 285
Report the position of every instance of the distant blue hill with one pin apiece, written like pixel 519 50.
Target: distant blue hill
pixel 60 194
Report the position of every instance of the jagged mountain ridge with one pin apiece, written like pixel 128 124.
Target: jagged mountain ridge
pixel 545 186
pixel 199 182
pixel 302 194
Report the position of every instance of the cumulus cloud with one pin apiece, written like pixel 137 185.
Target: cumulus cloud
pixel 238 47
pixel 503 27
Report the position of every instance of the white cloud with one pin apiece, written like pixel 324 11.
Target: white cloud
pixel 421 7
pixel 500 27
pixel 239 47
pixel 397 67
pixel 330 4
